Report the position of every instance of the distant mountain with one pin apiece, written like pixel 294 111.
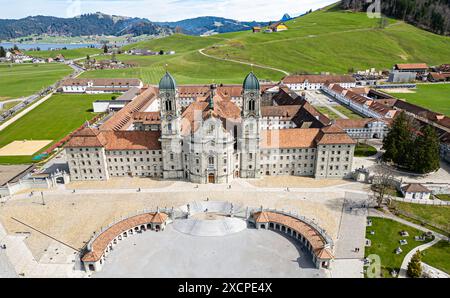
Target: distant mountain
pixel 286 18
pixel 210 25
pixel 88 24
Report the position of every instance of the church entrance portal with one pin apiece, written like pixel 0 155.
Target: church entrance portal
pixel 211 178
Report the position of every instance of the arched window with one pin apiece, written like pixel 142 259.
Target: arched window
pixel 211 160
pixel 251 105
pixel 169 105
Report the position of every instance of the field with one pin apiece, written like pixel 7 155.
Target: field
pixel 188 66
pixel 444 197
pixel 438 256
pixel 386 240
pixel 438 216
pixel 26 79
pixel 68 54
pixel 329 113
pixel 435 97
pixel 52 120
pixel 335 41
pixel 327 40
pixel 364 150
pixel 347 112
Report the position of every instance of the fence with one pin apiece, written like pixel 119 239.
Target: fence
pixel 423 202
pixel 423 221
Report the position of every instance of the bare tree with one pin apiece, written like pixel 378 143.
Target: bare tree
pixel 383 183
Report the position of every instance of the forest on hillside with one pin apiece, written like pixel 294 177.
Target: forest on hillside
pixel 432 15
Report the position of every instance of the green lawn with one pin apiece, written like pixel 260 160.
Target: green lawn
pixel 386 240
pixel 443 197
pixel 327 40
pixel 438 216
pixel 329 113
pixel 52 120
pixel 26 79
pixel 68 54
pixel 347 112
pixel 435 97
pixel 438 256
pixel 364 150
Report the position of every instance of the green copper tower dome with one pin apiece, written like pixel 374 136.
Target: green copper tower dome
pixel 167 82
pixel 251 82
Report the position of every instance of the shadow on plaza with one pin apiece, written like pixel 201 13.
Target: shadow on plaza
pixel 304 260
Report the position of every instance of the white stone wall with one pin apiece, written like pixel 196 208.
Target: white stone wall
pixel 334 161
pixel 316 86
pixel 275 123
pixel 135 163
pixel 209 154
pixel 295 162
pixel 87 164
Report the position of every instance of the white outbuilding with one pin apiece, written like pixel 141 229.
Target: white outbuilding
pixel 416 191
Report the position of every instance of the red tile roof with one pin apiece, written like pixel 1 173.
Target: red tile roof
pixel 289 138
pixel 103 240
pixel 411 66
pixel 333 135
pixel 313 236
pixel 415 187
pixel 116 140
pixel 124 118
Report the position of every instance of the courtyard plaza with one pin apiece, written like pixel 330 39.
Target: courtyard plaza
pixel 71 215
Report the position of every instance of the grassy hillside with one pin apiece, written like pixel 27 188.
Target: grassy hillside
pixel 324 41
pixel 187 65
pixel 336 41
pixel 26 79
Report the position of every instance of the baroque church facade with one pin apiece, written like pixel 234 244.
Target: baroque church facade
pixel 223 133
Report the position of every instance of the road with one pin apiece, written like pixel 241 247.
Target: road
pixel 245 63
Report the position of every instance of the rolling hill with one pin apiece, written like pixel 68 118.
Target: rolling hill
pixel 328 40
pixel 87 24
pixel 202 25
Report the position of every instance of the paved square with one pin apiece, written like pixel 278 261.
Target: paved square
pixel 249 254
pixel 23 148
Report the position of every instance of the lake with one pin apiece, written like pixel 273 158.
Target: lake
pixel 48 46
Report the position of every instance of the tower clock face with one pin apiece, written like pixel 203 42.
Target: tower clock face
pixel 167 95
pixel 252 94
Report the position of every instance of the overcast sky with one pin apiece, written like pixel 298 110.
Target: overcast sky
pixel 162 10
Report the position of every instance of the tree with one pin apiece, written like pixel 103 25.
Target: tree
pixel 426 151
pixel 2 52
pixel 415 266
pixel 105 48
pixel 382 184
pixel 399 141
pixel 88 58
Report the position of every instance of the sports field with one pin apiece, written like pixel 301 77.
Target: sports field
pixel 52 120
pixel 435 97
pixel 18 80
